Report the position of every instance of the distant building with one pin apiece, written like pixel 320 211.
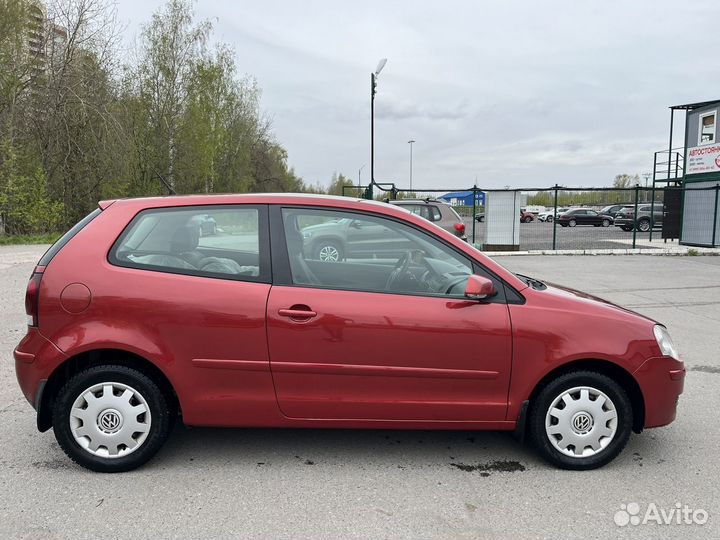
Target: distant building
pixel 463 198
pixel 692 214
pixel 43 40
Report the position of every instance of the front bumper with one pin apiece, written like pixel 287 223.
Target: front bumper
pixel 661 381
pixel 624 222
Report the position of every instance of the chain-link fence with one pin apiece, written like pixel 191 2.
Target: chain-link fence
pixel 561 218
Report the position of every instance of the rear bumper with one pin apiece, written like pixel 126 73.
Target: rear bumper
pixel 661 381
pixel 35 359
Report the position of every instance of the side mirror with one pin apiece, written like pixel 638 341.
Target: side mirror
pixel 479 288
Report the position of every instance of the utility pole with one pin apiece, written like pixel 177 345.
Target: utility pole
pixel 373 85
pixel 411 142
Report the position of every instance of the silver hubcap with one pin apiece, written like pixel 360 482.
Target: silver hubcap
pixel 572 223
pixel 581 422
pixel 329 254
pixel 644 226
pixel 110 420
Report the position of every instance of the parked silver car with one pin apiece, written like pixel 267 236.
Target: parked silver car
pixel 440 213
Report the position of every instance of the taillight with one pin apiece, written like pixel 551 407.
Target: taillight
pixel 32 295
pixel 460 227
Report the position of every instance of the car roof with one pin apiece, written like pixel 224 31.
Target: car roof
pixel 416 201
pixel 304 199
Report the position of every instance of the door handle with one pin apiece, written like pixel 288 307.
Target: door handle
pixel 295 313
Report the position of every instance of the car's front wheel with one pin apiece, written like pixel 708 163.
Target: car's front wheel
pixel 644 225
pixel 549 219
pixel 572 223
pixel 328 251
pixel 581 420
pixel 605 222
pixel 111 418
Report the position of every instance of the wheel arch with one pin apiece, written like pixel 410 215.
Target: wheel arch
pixel 99 357
pixel 610 369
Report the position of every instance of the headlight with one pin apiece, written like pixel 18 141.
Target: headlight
pixel 665 342
pixel 306 235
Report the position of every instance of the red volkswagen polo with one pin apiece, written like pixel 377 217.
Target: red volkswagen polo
pixel 140 316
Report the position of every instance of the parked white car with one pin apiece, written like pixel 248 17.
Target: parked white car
pixel 548 214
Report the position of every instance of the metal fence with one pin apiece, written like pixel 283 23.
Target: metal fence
pixel 641 217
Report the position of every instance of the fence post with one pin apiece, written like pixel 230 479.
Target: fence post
pixel 715 220
pixel 635 219
pixel 474 192
pixel 555 216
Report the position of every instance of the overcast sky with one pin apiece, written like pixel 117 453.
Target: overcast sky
pixel 512 93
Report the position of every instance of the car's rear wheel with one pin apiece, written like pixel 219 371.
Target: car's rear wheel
pixel 111 418
pixel 572 223
pixel 581 420
pixel 549 219
pixel 328 251
pixel 644 225
pixel 605 222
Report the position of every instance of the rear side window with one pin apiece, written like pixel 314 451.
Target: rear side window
pixel 65 238
pixel 228 242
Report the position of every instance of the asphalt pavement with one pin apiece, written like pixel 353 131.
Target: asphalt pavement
pixel 538 235
pixel 265 483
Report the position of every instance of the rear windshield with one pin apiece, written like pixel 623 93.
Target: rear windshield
pixel 57 246
pixel 455 213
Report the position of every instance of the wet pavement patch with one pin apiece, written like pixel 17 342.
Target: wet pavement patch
pixel 493 466
pixel 706 369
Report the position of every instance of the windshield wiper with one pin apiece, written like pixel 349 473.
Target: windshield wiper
pixel 534 283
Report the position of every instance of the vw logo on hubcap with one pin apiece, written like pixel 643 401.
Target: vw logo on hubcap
pixel 582 423
pixel 109 421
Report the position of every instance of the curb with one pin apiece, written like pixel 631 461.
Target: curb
pixel 677 252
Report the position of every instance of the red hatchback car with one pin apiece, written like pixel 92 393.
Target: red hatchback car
pixel 138 317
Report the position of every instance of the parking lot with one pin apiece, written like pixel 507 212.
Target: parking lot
pixel 260 483
pixel 538 235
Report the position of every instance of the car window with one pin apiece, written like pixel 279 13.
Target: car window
pixel 222 241
pixel 418 209
pixel 343 250
pixel 435 214
pixel 591 212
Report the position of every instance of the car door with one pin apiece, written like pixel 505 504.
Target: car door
pixel 592 218
pixel 379 347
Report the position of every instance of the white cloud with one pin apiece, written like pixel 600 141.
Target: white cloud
pixel 511 92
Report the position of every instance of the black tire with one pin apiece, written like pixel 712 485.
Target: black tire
pixel 549 219
pixel 555 388
pixel 644 225
pixel 160 413
pixel 605 222
pixel 572 223
pixel 627 229
pixel 328 246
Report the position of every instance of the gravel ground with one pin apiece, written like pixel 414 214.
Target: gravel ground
pixel 262 483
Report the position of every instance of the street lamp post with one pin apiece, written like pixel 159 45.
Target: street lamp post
pixel 411 142
pixel 373 84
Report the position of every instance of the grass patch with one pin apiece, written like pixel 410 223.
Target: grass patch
pixel 15 240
